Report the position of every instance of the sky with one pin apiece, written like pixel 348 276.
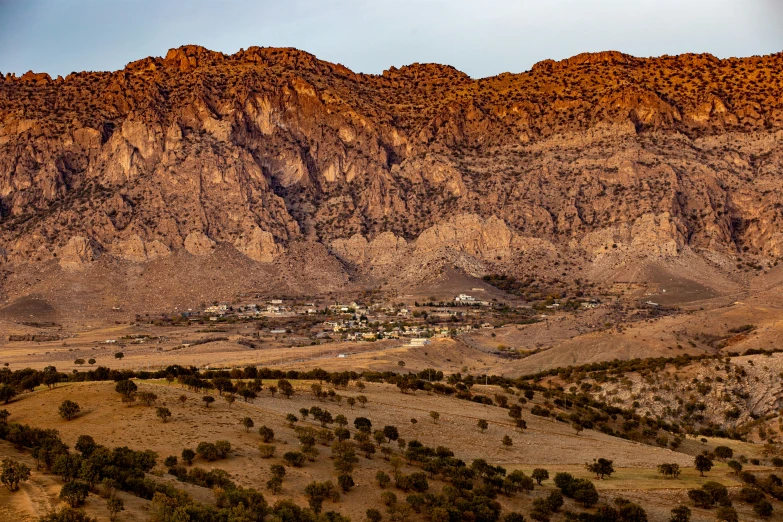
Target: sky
pixel 480 37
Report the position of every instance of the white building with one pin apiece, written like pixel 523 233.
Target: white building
pixel 419 341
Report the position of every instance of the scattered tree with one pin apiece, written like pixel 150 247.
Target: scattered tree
pixel 267 434
pixel 188 455
pixel 69 409
pixel 601 467
pixel 13 473
pixel 680 514
pixel 114 505
pixel 540 475
pixel 702 463
pixel 74 493
pixel 163 413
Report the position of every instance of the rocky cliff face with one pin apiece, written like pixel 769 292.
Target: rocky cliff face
pixel 270 147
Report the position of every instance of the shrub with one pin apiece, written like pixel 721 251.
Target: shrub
pixel 267 451
pixel 69 409
pixel 267 434
pixel 681 514
pixel 163 413
pixel 294 459
pixel 74 493
pixel 188 455
pixel 67 514
pixel 726 514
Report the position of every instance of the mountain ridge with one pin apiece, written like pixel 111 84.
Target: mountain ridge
pixel 596 157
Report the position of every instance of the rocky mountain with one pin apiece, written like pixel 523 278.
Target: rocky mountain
pixel 594 161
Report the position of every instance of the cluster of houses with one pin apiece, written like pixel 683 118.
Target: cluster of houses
pixel 352 321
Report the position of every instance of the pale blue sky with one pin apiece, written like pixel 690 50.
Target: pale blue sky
pixel 480 37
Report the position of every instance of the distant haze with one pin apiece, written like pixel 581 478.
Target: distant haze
pixel 481 38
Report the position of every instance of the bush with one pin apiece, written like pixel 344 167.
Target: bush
pixel 74 493
pixel 750 495
pixel 188 455
pixel 345 482
pixel 718 492
pixel 163 413
pixel 267 434
pixel 294 459
pixel 723 452
pixel 69 409
pixel 763 508
pixel 67 514
pixel 267 451
pixel 680 514
pixel 207 451
pixel 701 498
pixel 726 514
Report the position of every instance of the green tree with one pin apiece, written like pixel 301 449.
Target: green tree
pixel 540 475
pixel 391 433
pixel 247 423
pixel 294 459
pixel 680 514
pixel 723 452
pixel 14 473
pixel 69 409
pixel 507 441
pixel 267 433
pixel 701 498
pixel 208 399
pixel 601 467
pixel 223 448
pixel 482 425
pixel 85 445
pixel 383 479
pixel 126 388
pixel 188 455
pixel 275 485
pixel 763 508
pixel 207 451
pixel 702 463
pixel 74 493
pixel 726 514
pixel 345 482
pixel 7 392
pixel 286 388
pixel 163 413
pixel 114 505
pixel 148 398
pixel 317 492
pixel 267 451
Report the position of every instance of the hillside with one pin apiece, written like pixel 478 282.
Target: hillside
pixel 591 168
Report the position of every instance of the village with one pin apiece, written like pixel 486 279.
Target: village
pixel 318 323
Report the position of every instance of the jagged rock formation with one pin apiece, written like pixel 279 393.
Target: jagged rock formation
pixel 270 147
